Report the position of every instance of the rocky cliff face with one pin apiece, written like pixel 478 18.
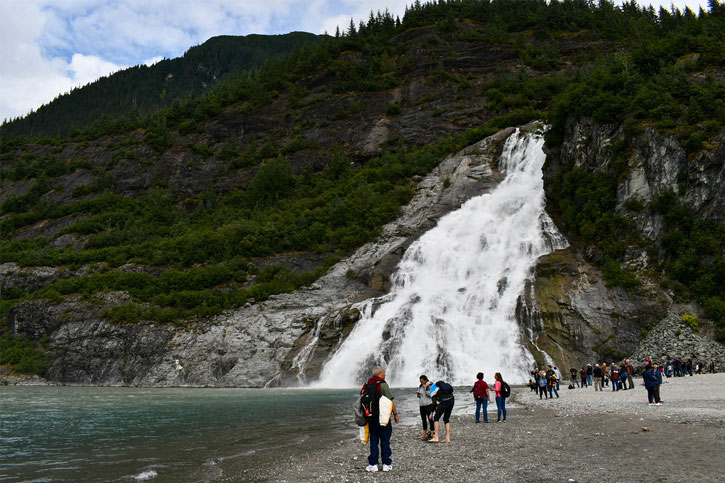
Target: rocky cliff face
pixel 572 316
pixel 569 311
pixel 282 341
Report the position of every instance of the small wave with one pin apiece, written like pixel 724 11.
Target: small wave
pixel 146 475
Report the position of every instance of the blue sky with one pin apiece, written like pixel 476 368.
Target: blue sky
pixel 49 47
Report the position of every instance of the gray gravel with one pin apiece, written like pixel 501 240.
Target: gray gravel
pixel 584 436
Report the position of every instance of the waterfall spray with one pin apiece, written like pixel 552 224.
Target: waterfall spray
pixel 451 309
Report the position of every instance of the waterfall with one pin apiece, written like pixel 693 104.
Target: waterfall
pixel 451 309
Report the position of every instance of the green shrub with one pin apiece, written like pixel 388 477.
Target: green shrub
pixel 691 321
pixel 26 357
pixel 393 109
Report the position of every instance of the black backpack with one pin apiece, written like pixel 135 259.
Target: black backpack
pixel 444 393
pixel 505 390
pixel 370 400
pixel 444 389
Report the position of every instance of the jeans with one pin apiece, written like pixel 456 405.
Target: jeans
pixel 501 407
pixel 651 394
pixel 584 382
pixel 623 384
pixel 483 401
pixel 380 435
pixel 552 386
pixel 542 392
pixel 590 380
pixel 615 385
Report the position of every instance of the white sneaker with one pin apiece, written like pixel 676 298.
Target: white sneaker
pixel 651 404
pixel 387 467
pixel 658 404
pixel 372 468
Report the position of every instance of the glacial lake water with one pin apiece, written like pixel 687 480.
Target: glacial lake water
pixel 61 433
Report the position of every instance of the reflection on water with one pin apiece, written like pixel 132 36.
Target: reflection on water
pixel 130 434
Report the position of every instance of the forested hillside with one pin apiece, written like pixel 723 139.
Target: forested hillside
pixel 138 91
pixel 257 185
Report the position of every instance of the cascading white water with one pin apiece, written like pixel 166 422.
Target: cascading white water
pixel 451 309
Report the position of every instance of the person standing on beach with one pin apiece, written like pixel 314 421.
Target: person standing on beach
pixel 380 435
pixel 500 400
pixel 480 395
pixel 541 384
pixel 650 383
pixel 630 372
pixel 583 374
pixel 425 402
pixel 597 373
pixel 614 376
pixel 658 380
pixel 443 395
pixel 623 377
pixel 590 377
pixel 551 382
pixel 605 381
pixel 558 377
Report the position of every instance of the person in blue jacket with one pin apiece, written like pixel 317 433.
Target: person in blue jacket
pixel 658 379
pixel 650 383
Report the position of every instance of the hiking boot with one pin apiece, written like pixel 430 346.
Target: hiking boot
pixel 387 467
pixel 372 468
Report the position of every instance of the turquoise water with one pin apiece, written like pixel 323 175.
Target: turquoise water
pixel 125 434
pixel 168 435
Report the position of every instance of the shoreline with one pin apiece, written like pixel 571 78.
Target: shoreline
pixel 584 436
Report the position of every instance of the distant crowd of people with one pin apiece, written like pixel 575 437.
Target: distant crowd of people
pixel 619 376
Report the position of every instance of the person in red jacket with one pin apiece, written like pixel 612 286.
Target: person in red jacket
pixel 380 435
pixel 614 376
pixel 480 395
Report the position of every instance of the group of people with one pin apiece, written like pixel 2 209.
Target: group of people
pixel 621 376
pixel 482 395
pixel 678 368
pixel 545 383
pixel 436 401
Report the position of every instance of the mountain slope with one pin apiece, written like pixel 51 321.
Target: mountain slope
pixel 140 90
pixel 261 184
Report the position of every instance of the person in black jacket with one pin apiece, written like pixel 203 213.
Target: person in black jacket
pixel 590 373
pixel 597 373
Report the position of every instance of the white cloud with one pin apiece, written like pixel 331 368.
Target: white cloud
pixel 152 60
pixel 86 68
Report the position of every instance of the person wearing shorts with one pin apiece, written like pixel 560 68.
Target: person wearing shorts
pixel 445 407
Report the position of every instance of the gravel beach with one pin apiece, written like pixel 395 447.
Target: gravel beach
pixel 583 436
